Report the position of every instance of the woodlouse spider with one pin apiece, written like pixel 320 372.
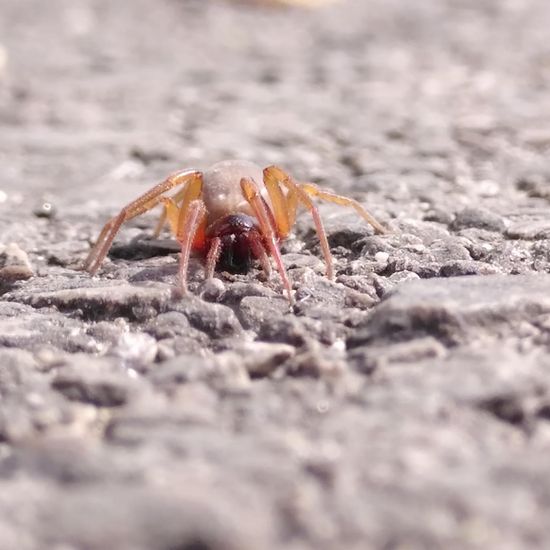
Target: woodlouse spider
pixel 231 213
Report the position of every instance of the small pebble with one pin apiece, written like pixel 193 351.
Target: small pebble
pixel 381 257
pixel 135 347
pixel 478 217
pixel 14 264
pixel 211 289
pixel 529 230
pixel 45 210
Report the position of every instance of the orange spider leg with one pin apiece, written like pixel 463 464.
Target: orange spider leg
pixel 191 193
pixel 279 204
pixel 284 206
pixel 176 206
pixel 162 220
pixel 141 205
pixel 313 190
pixel 189 229
pixel 189 223
pixel 170 213
pixel 252 195
pixel 294 188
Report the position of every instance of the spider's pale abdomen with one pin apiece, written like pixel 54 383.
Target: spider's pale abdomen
pixel 221 189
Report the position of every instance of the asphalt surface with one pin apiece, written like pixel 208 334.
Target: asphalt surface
pixel 405 405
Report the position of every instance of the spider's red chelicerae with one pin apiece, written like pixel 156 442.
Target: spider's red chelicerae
pixel 231 213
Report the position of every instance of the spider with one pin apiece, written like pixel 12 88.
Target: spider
pixel 231 213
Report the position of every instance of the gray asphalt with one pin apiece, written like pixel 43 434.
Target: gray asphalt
pixel 405 405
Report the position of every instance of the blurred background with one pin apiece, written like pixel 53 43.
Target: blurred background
pixel 100 97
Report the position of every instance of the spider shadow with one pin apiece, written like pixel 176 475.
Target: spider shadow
pixel 158 255
pixel 161 259
pixel 143 248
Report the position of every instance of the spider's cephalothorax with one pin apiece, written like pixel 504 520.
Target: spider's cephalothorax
pixel 231 213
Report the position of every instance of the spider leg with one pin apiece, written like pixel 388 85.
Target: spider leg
pixel 188 225
pixel 139 206
pixel 297 190
pixel 176 204
pixel 167 206
pixel 313 190
pixel 259 251
pixel 252 195
pixel 284 205
pixel 170 213
pixel 191 193
pixel 281 214
pixel 213 256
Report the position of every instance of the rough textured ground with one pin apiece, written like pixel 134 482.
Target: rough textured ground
pixel 406 405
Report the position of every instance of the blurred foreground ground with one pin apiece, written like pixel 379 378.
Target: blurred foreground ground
pixel 407 405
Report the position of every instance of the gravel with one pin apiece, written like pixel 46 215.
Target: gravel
pixel 405 404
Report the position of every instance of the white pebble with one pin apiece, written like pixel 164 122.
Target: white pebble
pixel 381 257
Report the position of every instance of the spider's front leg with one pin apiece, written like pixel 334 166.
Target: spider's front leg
pixel 190 220
pixel 144 203
pixel 252 194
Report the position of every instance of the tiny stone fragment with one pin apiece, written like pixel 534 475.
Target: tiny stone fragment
pixel 256 310
pixel 384 285
pixel 457 309
pixel 224 371
pixel 211 289
pixel 14 264
pixel 216 320
pixel 316 361
pixel 98 382
pixel 136 347
pixel 45 209
pixel 467 267
pixel 478 217
pixel 132 301
pixel 262 358
pixel 529 230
